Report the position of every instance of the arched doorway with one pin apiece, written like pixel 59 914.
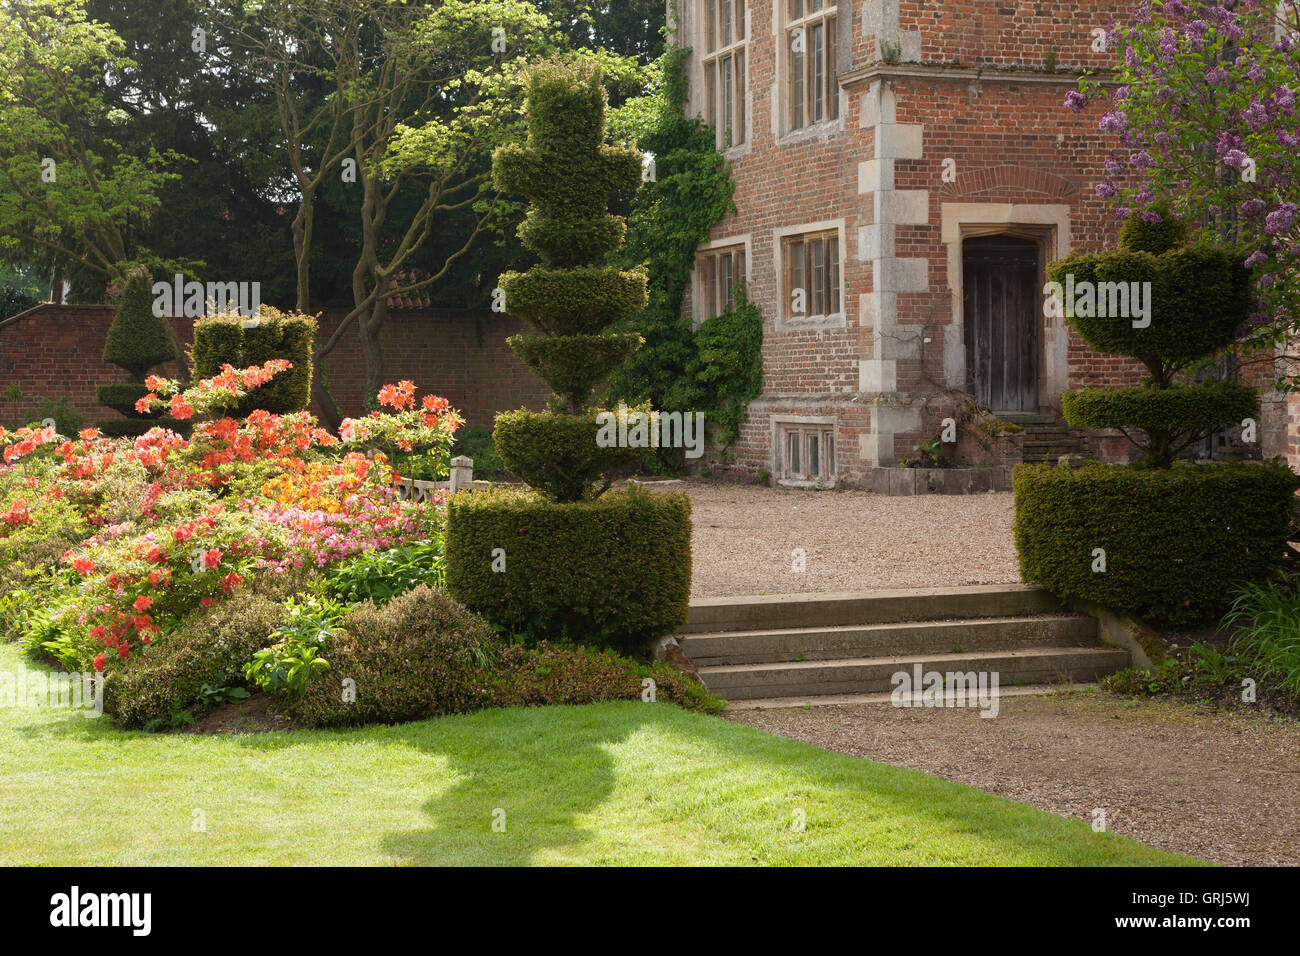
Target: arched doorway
pixel 1000 279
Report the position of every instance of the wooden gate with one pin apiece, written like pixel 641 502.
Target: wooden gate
pixel 1001 303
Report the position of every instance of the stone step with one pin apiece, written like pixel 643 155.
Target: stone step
pixel 858 608
pixel 877 640
pixel 869 675
pixel 841 700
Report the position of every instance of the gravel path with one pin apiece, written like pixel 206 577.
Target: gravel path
pixel 746 536
pixel 1213 784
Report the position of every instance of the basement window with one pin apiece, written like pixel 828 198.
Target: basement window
pixel 805 453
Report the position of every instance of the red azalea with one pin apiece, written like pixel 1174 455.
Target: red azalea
pixel 212 558
pixel 99 663
pixel 143 603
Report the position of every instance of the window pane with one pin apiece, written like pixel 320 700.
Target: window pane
pixel 707 292
pixel 710 29
pixel 828 452
pixel 726 22
pixel 818 276
pixel 796 81
pixel 740 19
pixel 739 125
pixel 792 455
pixel 816 49
pixel 814 5
pixel 728 109
pixel 710 92
pixel 832 80
pixel 834 290
pixel 795 250
pixel 727 282
pixel 796 9
pixel 744 275
pixel 814 459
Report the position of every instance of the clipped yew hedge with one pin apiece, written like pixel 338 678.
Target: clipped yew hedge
pixel 573 365
pixel 1175 539
pixel 1174 408
pixel 222 340
pixel 614 572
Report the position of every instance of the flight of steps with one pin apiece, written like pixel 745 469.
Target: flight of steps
pixel 781 650
pixel 1048 441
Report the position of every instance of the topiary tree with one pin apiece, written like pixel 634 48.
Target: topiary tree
pixel 1199 298
pixel 557 563
pixel 138 341
pixel 567 172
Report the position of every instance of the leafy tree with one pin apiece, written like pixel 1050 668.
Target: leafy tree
pixel 1204 111
pixel 73 194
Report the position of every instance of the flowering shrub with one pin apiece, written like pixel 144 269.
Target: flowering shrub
pixel 426 430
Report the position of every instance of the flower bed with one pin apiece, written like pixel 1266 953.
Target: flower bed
pixel 190 572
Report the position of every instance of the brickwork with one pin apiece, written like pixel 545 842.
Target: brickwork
pixel 53 352
pixel 961 133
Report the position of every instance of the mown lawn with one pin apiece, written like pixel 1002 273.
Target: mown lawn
pixel 619 783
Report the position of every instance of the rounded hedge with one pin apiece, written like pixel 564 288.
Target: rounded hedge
pixel 614 572
pixel 1173 409
pixel 1200 295
pixel 580 301
pixel 557 454
pixel 122 396
pixel 574 364
pixel 1154 237
pixel 1174 539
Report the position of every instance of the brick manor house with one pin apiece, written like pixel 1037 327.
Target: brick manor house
pixel 904 171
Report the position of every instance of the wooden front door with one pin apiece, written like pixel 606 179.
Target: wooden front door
pixel 1001 302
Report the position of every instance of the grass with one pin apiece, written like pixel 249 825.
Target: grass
pixel 616 783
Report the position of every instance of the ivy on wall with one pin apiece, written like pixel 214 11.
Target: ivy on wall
pixel 717 368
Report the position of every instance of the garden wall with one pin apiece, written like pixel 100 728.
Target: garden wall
pixel 53 351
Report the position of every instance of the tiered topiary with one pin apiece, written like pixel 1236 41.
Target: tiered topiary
pixel 1200 297
pixel 234 339
pixel 138 341
pixel 558 563
pixel 568 172
pixel 1162 540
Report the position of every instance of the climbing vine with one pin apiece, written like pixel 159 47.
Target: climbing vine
pixel 717 368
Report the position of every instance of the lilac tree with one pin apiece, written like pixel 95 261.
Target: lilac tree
pixel 1203 108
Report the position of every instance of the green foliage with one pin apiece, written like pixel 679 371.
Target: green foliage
pixel 222 340
pixel 209 649
pixel 477 443
pixel 615 572
pixel 1172 537
pixel 546 674
pixel 67 420
pixel 122 396
pixel 1174 410
pixel 13 301
pixel 717 367
pixel 1138 235
pixel 419 655
pixel 574 301
pixel 1164 679
pixel 1265 625
pixel 558 454
pixel 1200 296
pixel 381 576
pixel 138 340
pixel 574 364
pixel 288 665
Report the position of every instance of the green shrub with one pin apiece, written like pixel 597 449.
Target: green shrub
pixel 545 675
pixel 1265 625
pixel 583 300
pixel 420 655
pixel 558 454
pixel 381 576
pixel 574 364
pixel 1153 237
pixel 223 340
pixel 121 397
pixel 289 664
pixel 138 340
pixel 1170 411
pixel 165 680
pixel 1173 538
pixel 1162 680
pixel 478 444
pixel 614 572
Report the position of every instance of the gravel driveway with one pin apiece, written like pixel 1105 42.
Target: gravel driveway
pixel 746 537
pixel 1213 784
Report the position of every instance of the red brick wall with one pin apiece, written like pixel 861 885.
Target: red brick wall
pixel 54 352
